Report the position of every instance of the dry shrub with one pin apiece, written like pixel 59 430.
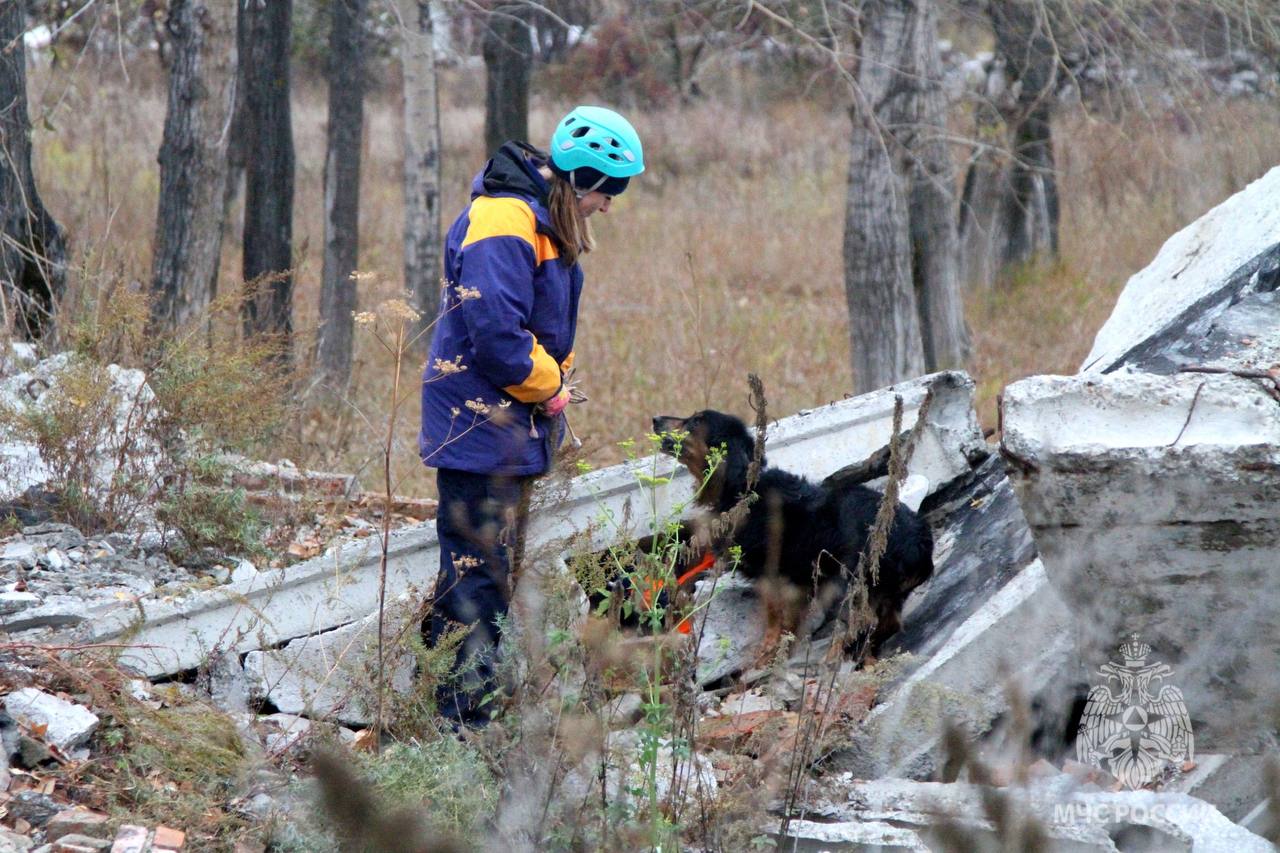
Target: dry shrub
pixel 115 448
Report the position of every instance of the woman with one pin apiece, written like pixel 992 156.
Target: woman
pixel 494 390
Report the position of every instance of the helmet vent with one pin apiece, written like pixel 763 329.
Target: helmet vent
pixel 581 132
pixel 614 142
pixel 613 156
pixel 595 146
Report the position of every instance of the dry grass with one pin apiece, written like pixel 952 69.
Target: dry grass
pixel 1125 190
pixel 725 257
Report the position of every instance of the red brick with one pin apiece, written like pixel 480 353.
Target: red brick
pixel 169 839
pixel 731 732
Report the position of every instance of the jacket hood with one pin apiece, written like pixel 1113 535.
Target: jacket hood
pixel 513 171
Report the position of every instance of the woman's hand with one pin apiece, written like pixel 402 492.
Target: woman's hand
pixel 557 403
pixel 569 393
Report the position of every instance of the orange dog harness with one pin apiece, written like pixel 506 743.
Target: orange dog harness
pixel 708 560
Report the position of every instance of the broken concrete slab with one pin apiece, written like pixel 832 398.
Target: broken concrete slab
pixel 689 777
pixel 1225 255
pixel 1243 336
pixel 131 839
pixel 228 686
pixel 328 675
pixel 981 542
pixel 1152 501
pixel 732 629
pixel 1071 819
pixel 1019 639
pixel 76 843
pixel 12 842
pixel 284 732
pixel 1233 784
pixel 12 602
pixel 25 554
pixel 53 611
pixel 341 587
pixel 68 725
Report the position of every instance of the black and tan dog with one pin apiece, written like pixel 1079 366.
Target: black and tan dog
pixel 799 538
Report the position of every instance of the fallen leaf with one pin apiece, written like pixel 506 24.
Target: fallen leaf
pixel 306 549
pixel 366 740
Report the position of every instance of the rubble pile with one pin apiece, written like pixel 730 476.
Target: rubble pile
pixel 53 576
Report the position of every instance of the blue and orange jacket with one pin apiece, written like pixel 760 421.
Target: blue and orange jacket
pixel 505 333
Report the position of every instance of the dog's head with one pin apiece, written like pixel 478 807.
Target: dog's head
pixel 704 437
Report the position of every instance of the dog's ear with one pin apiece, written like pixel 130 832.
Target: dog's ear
pixel 737 459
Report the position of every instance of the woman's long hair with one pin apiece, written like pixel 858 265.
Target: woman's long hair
pixel 571 226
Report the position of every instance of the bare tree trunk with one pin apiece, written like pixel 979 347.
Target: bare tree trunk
pixel 422 263
pixel 1009 212
pixel 508 59
pixel 268 157
pixel 986 191
pixel 342 190
pixel 1031 212
pixel 237 143
pixel 193 158
pixel 33 253
pixel 884 321
pixel 935 244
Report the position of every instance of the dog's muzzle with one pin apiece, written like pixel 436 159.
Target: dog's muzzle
pixel 668 427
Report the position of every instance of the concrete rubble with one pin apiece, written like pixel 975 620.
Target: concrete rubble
pixel 1151 480
pixel 131 407
pixel 54 577
pixel 327 676
pixel 1096 75
pixel 1053 810
pixel 66 724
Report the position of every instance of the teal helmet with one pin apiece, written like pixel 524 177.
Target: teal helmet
pixel 596 149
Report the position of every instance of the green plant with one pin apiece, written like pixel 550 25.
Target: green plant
pixel 445 777
pixel 212 514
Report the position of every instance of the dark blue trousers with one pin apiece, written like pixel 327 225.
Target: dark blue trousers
pixel 479 524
